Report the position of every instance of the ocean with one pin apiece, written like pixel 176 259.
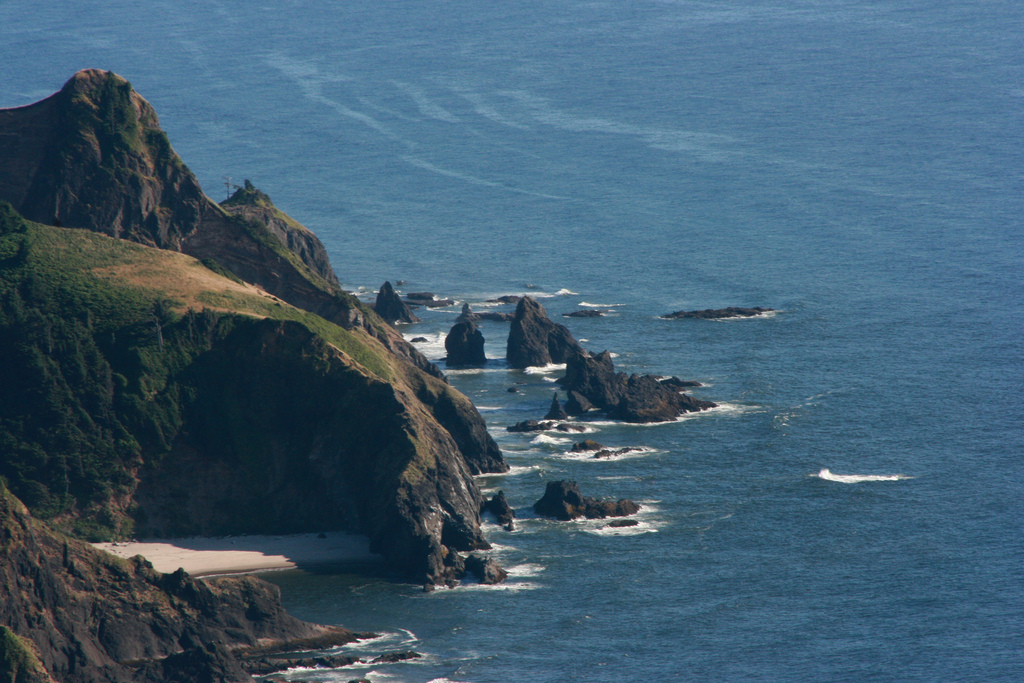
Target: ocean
pixel 853 510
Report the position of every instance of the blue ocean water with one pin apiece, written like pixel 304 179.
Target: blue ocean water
pixel 857 165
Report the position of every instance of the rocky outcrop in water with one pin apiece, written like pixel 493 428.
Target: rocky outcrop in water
pixel 391 308
pixel 534 340
pixel 485 569
pixel 555 412
pixel 716 313
pixel 527 426
pixel 562 500
pixel 502 511
pixel 465 345
pixel 592 382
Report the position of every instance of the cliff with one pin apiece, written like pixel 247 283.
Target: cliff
pixel 147 394
pixel 75 614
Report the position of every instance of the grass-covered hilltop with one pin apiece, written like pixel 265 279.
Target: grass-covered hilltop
pixel 171 366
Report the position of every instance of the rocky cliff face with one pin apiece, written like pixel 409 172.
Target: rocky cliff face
pixel 360 433
pixel 84 615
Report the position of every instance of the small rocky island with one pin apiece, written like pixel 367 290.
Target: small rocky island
pixel 719 313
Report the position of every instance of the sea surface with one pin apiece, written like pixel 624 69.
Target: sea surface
pixel 853 510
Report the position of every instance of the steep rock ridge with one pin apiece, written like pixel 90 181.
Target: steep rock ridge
pixel 534 340
pixel 88 616
pixel 125 402
pixel 252 204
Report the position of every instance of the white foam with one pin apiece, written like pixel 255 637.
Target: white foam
pixel 636 530
pixel 590 305
pixel 433 348
pixel 554 440
pixel 766 314
pixel 566 292
pixel 505 586
pixel 525 570
pixel 513 471
pixel 544 369
pixel 588 456
pixel 827 475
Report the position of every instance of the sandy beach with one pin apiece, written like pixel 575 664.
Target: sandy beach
pixel 238 554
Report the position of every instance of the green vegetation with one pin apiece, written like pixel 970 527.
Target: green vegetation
pixel 19 662
pixel 98 366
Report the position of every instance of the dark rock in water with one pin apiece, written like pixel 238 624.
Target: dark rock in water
pixel 499 507
pixel 556 412
pixel 419 340
pixel 585 446
pixel 578 404
pixel 591 379
pixel 512 390
pixel 506 299
pixel 420 296
pixel 485 569
pixel 648 400
pixel 562 500
pixel 533 340
pixel 585 313
pixel 392 657
pixel 470 314
pixel 263 666
pixel 535 426
pixel 612 452
pixel 497 317
pixel 623 523
pixel 679 384
pixel 391 307
pixel 714 313
pixel 530 426
pixel 434 303
pixel 570 428
pixel 465 345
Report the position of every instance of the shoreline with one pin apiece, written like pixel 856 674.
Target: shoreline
pixel 245 554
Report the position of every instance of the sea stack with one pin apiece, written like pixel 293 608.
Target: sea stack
pixel 465 345
pixel 391 307
pixel 533 340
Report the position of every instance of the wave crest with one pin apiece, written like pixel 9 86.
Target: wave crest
pixel 827 475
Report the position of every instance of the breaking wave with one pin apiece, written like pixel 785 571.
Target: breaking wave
pixel 827 475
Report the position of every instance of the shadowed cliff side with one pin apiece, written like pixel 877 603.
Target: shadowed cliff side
pixel 83 615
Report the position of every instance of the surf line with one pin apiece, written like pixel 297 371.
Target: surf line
pixel 827 475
